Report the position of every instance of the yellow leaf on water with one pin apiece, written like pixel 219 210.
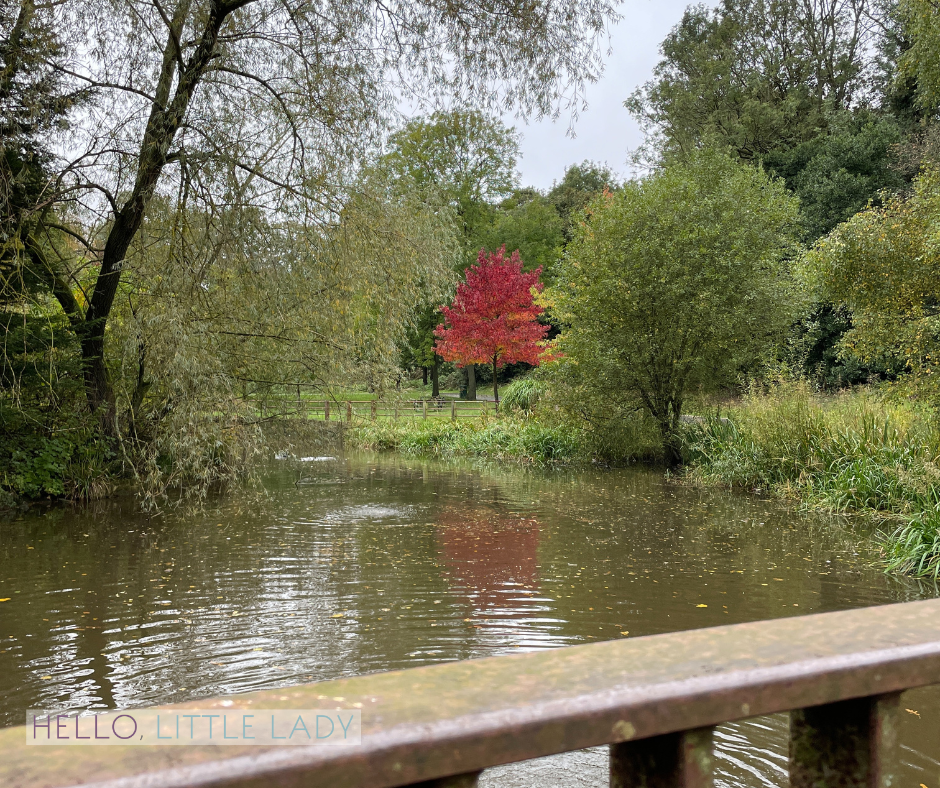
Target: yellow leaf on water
pixel 6 600
pixel 338 615
pixel 701 605
pixel 47 677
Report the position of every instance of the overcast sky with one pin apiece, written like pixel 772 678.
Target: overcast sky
pixel 605 132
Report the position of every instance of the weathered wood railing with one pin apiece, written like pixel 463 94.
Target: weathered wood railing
pixel 653 699
pixel 357 410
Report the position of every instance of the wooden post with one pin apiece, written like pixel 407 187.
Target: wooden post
pixel 348 412
pixel 453 410
pixel 676 760
pixel 396 412
pixel 424 409
pixel 326 410
pixel 373 410
pixel 852 744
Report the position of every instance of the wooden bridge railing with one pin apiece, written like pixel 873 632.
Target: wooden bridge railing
pixel 654 699
pixel 356 410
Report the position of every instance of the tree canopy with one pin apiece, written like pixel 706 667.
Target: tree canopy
pixel 494 319
pixel 673 284
pixel 883 264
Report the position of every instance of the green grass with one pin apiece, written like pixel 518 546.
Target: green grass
pixel 492 438
pixel 852 453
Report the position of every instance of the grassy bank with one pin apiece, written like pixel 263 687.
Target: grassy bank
pixel 519 440
pixel 853 453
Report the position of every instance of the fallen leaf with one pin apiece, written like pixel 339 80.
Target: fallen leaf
pixel 701 605
pixel 5 600
pixel 911 711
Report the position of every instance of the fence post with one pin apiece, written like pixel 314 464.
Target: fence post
pixel 424 409
pixel 453 410
pixel 373 410
pixel 396 412
pixel 326 410
pixel 676 760
pixel 348 412
pixel 851 744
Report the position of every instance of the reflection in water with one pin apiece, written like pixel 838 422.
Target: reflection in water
pixel 379 563
pixel 491 558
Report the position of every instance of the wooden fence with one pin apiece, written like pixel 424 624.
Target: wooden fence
pixel 655 700
pixel 351 411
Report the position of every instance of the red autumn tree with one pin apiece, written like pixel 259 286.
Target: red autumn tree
pixel 493 319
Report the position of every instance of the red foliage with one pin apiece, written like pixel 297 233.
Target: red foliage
pixel 493 319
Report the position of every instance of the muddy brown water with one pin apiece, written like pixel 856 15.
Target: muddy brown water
pixel 371 563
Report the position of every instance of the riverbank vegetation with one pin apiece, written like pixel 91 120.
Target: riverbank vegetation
pixel 861 452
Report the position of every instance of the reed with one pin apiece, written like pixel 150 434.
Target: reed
pixel 852 453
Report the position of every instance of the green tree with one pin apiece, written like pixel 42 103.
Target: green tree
pixel 580 184
pixel 465 156
pixel 883 264
pixel 918 59
pixel 526 222
pixel 674 283
pixel 465 159
pixel 757 75
pixel 836 173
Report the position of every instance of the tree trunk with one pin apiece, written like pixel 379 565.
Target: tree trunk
pixel 495 383
pixel 672 442
pixel 435 383
pixel 166 118
pixel 424 376
pixel 471 382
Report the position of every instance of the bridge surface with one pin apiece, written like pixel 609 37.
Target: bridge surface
pixel 654 699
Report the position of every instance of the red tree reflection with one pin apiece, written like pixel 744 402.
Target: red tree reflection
pixel 491 555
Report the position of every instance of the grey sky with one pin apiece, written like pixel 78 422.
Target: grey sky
pixel 605 131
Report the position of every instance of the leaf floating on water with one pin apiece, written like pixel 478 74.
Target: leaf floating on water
pixel 338 615
pixel 625 633
pixel 46 677
pixel 911 711
pixel 701 605
pixel 6 600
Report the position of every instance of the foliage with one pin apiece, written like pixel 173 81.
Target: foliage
pixel 883 264
pixel 528 222
pixel 850 453
pixel 921 20
pixel 463 156
pixel 836 173
pixel 493 318
pixel 580 184
pixel 233 307
pixel 673 284
pixel 757 75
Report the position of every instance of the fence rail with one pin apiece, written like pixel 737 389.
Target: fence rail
pixel 654 699
pixel 356 410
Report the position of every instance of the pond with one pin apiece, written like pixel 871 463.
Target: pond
pixel 367 563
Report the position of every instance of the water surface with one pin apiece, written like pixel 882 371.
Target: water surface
pixel 374 563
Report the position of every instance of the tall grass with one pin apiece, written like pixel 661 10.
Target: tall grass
pixel 848 453
pixel 500 439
